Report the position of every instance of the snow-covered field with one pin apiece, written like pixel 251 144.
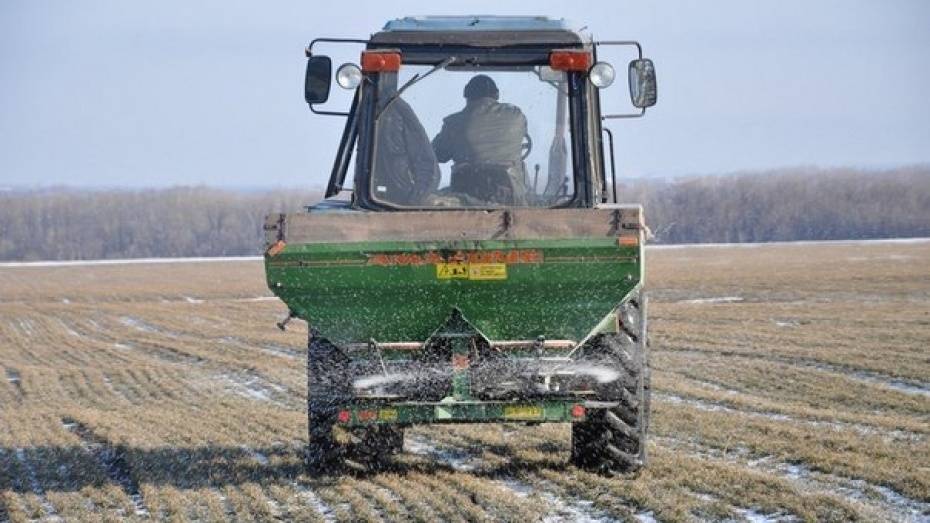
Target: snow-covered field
pixel 791 383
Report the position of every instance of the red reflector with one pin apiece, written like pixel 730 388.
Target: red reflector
pixel 578 411
pixel 570 60
pixel 344 416
pixel 379 61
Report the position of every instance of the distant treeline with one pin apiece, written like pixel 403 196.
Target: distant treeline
pixel 63 224
pixel 798 204
pixel 786 205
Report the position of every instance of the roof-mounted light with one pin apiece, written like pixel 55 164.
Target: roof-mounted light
pixel 570 60
pixel 380 61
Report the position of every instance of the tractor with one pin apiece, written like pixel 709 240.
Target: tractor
pixel 477 268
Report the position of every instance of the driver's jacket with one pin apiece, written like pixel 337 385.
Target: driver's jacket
pixel 484 132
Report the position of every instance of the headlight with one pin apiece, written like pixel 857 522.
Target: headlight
pixel 348 76
pixel 602 75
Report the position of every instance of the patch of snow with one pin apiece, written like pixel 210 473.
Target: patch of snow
pixel 138 505
pixel 257 299
pixel 261 458
pixel 646 517
pixel 898 241
pixel 68 329
pixel 716 407
pixel 130 261
pixel 34 485
pixel 461 461
pixel 874 378
pixel 273 350
pixel 65 301
pixel 563 510
pixel 188 299
pixel 137 324
pixel 26 326
pixel 754 516
pixel 329 516
pixel 253 387
pixel 892 502
pixel 718 299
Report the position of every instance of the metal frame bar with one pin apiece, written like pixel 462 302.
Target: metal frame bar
pixel 613 164
pixel 365 412
pixel 639 51
pixel 508 344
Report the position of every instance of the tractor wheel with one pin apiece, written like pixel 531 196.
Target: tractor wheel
pixel 327 390
pixel 613 437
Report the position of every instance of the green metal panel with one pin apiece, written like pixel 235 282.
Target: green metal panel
pixel 563 295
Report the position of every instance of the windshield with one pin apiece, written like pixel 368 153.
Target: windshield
pixel 462 137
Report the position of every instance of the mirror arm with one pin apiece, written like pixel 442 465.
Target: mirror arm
pixel 639 52
pixel 309 49
pixel 639 48
pixel 328 113
pixel 628 115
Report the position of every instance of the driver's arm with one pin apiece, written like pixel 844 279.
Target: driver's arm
pixel 444 143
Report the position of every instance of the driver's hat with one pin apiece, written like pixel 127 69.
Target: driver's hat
pixel 481 86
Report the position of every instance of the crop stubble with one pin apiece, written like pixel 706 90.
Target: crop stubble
pixel 791 382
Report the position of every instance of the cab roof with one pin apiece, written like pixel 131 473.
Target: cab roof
pixel 479 31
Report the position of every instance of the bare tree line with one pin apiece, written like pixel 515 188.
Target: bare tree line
pixel 787 205
pixel 797 204
pixel 191 221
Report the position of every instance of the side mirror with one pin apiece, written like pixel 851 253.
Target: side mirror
pixel 319 76
pixel 642 83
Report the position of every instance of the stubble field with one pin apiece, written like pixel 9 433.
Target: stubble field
pixel 791 382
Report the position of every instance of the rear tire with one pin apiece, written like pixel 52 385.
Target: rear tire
pixel 327 390
pixel 613 437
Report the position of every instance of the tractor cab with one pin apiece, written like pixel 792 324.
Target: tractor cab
pixel 474 112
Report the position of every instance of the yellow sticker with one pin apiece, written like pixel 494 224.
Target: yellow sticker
pixel 523 412
pixel 452 271
pixel 487 271
pixel 387 415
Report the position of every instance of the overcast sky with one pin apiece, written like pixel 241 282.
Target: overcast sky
pixel 114 93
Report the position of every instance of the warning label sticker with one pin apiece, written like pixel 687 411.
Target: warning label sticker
pixel 487 271
pixel 471 271
pixel 452 271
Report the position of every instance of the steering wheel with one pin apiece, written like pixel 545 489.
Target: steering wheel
pixel 526 147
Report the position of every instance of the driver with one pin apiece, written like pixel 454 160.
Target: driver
pixel 484 141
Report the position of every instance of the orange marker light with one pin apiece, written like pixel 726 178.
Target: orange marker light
pixel 628 241
pixel 572 60
pixel 378 61
pixel 276 248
